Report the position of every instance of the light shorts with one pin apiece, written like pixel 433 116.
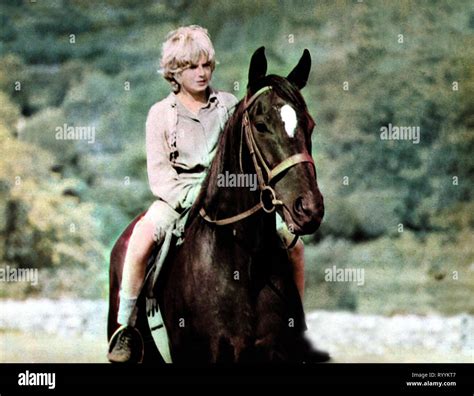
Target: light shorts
pixel 163 216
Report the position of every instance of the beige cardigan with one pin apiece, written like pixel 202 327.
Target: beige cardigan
pixel 178 184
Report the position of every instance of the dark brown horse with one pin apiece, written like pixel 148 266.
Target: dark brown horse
pixel 227 293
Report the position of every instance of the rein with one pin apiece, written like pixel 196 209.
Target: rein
pixel 268 199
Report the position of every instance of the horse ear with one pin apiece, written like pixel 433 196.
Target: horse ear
pixel 258 66
pixel 299 75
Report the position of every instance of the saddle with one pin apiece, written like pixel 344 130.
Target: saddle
pixel 173 238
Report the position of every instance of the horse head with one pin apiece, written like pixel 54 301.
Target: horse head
pixel 278 130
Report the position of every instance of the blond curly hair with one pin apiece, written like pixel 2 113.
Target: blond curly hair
pixel 184 47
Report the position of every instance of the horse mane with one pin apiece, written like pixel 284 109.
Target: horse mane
pixel 224 146
pixel 229 140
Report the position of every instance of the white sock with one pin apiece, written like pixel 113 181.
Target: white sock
pixel 127 313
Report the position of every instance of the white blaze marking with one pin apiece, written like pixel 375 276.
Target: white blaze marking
pixel 288 115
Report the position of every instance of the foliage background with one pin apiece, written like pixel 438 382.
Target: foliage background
pixel 63 203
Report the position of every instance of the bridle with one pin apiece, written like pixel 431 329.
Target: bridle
pixel 268 199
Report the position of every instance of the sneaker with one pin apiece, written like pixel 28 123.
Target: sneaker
pixel 126 346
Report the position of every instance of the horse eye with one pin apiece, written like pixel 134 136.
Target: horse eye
pixel 261 127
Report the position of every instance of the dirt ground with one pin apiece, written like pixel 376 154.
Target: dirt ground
pixel 19 347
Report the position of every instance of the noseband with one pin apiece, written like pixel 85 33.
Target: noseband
pixel 265 174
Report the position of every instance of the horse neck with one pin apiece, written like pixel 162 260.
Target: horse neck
pixel 226 201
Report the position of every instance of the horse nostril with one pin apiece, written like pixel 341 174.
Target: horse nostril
pixel 308 207
pixel 300 207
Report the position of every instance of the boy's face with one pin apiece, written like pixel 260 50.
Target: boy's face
pixel 196 78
